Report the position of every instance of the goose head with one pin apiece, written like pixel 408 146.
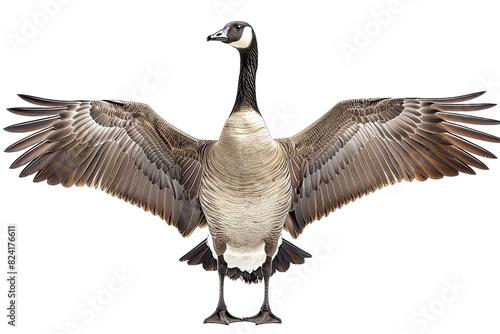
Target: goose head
pixel 241 36
pixel 238 34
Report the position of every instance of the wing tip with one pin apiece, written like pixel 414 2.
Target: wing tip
pixel 477 94
pixel 472 95
pixel 30 98
pixel 10 128
pixel 45 102
pixel 460 98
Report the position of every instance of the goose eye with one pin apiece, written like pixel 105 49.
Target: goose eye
pixel 238 27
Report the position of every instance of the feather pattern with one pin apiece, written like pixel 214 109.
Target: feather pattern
pixel 362 145
pixel 123 148
pixel 286 254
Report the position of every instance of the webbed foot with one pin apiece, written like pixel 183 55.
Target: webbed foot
pixel 221 317
pixel 264 317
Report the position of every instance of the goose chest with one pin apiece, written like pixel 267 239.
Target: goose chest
pixel 246 190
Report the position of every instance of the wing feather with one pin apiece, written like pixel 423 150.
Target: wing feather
pixel 362 145
pixel 123 148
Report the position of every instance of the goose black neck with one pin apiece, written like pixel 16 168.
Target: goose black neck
pixel 246 96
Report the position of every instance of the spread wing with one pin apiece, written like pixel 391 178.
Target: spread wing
pixel 124 148
pixel 362 145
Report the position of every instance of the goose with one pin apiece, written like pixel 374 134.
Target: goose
pixel 246 186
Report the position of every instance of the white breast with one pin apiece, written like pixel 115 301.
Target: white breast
pixel 246 190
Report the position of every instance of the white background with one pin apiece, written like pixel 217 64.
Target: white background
pixel 391 254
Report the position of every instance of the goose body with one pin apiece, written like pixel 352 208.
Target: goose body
pixel 246 186
pixel 245 191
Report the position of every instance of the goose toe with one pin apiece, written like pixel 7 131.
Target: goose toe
pixel 221 317
pixel 264 317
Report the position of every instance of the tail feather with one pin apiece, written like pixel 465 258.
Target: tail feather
pixel 287 254
pixel 201 254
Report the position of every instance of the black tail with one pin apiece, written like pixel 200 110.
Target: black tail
pixel 287 253
pixel 201 254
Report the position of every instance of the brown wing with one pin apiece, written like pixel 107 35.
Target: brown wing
pixel 362 145
pixel 124 148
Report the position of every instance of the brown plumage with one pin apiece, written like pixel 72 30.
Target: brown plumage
pixel 248 187
pixel 362 145
pixel 123 148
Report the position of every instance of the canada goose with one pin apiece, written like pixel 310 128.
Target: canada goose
pixel 246 186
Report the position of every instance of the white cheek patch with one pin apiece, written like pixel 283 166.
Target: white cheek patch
pixel 245 40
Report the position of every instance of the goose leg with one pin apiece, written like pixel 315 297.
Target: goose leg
pixel 265 316
pixel 221 315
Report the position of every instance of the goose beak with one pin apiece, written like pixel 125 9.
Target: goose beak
pixel 220 35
